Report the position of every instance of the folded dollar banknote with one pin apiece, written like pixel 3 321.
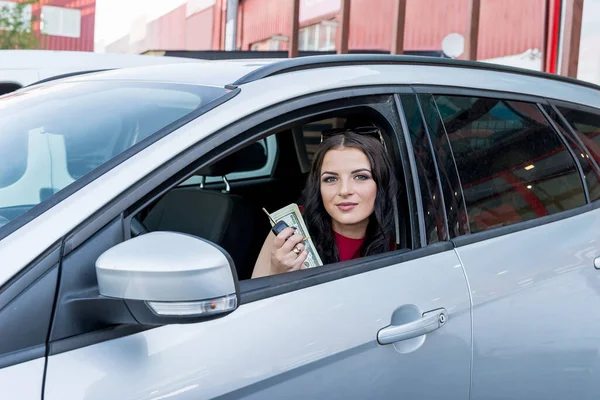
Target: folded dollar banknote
pixel 290 214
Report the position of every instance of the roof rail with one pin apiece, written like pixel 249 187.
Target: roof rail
pixel 66 75
pixel 314 62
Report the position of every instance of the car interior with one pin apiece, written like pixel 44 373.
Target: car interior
pixel 228 212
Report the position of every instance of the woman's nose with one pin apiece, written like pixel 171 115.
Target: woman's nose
pixel 345 187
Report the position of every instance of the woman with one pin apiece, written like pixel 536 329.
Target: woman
pixel 348 204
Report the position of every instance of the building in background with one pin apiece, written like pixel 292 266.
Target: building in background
pixel 63 24
pixel 193 26
pixel 521 33
pixel 265 25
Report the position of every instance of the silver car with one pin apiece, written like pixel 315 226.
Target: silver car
pixel 130 221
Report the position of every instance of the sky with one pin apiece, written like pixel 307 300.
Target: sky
pixel 114 18
pixel 589 47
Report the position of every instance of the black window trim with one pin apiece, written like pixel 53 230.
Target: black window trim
pixel 24 355
pixel 413 167
pixel 476 92
pixel 436 156
pixel 462 193
pixel 44 206
pixel 435 165
pixel 19 283
pixel 576 106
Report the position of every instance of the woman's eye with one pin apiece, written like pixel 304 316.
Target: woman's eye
pixel 362 177
pixel 329 179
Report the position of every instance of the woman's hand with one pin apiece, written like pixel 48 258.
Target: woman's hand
pixel 288 255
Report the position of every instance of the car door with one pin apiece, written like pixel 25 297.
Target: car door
pixel 396 324
pixel 529 255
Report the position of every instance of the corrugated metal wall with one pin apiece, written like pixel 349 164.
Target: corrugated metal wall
pixel 88 17
pixel 199 30
pixel 506 26
pixel 371 24
pixel 510 27
pixel 167 32
pixel 263 19
pixel 218 31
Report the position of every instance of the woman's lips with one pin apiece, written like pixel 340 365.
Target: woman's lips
pixel 346 206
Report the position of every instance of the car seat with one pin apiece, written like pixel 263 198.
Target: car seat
pixel 221 217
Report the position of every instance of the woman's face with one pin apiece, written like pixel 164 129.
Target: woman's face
pixel 348 190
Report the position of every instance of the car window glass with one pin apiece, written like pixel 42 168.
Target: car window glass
pixel 247 169
pixel 54 134
pixel 587 125
pixel 513 167
pixel 591 174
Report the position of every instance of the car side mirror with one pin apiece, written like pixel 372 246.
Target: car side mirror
pixel 169 278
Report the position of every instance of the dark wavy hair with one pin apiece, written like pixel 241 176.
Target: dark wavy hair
pixel 380 230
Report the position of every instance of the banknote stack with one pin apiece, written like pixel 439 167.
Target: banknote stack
pixel 292 217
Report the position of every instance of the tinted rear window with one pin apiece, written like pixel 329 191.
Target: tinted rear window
pixel 513 167
pixel 587 125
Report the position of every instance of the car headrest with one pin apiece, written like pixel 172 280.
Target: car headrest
pixel 249 158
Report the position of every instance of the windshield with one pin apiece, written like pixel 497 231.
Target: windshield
pixel 52 135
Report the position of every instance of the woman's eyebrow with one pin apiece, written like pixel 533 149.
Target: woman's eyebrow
pixel 328 172
pixel 362 170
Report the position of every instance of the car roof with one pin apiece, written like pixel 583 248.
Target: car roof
pixel 197 72
pixel 314 62
pixel 234 73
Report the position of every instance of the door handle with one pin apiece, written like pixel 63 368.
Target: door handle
pixel 428 323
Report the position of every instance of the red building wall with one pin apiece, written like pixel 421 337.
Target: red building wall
pixel 177 31
pixel 218 30
pixel 261 19
pixel 199 30
pixel 506 26
pixel 510 27
pixel 88 17
pixel 167 32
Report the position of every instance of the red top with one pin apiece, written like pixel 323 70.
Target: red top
pixel 348 248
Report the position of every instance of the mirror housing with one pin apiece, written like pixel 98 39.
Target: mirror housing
pixel 169 278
